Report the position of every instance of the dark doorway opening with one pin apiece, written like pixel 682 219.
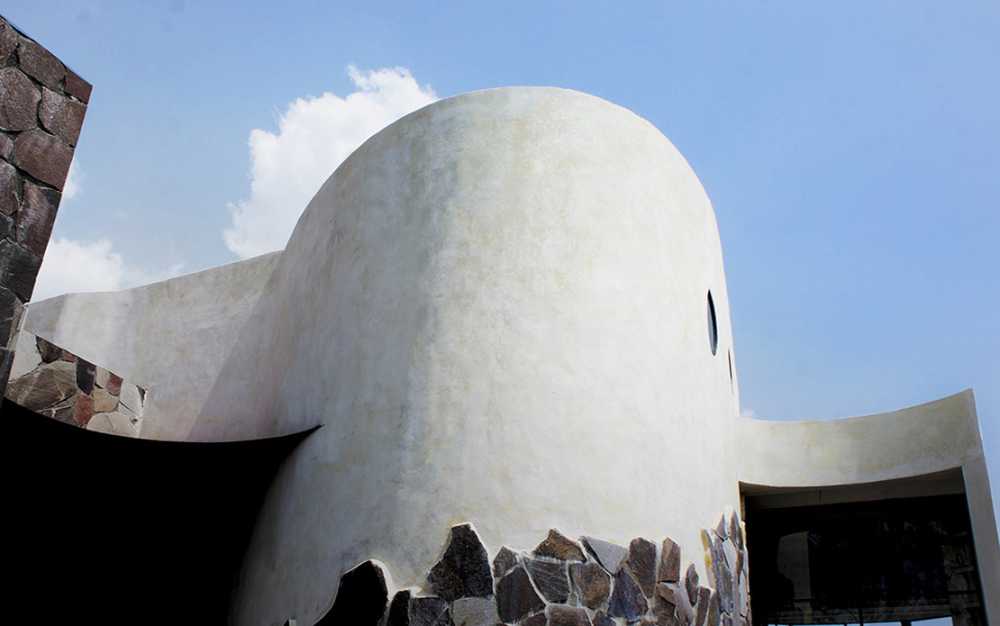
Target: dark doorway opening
pixel 107 530
pixel 892 552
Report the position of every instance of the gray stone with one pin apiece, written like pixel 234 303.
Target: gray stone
pixel 549 578
pixel 516 597
pixel 474 612
pixel 18 269
pixel 85 375
pixel 676 596
pixel 38 213
pixel 45 386
pixel 77 87
pixel 591 584
pixel 123 422
pixel 609 555
pixel 561 615
pixel 736 530
pixel 399 608
pixel 361 597
pixel 6 228
pixel 504 561
pixel 670 562
pixel 626 598
pixel 63 412
pixel 464 569
pixel 691 582
pixel 40 64
pixel 19 104
pixel 559 546
pixel 713 609
pixel 642 564
pixel 131 397
pixel 61 116
pixel 429 611
pixel 44 156
pixel 10 184
pixel 26 357
pixel 722 528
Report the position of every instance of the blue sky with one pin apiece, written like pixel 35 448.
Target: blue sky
pixel 850 150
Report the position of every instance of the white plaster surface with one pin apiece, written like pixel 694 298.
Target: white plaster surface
pixel 170 338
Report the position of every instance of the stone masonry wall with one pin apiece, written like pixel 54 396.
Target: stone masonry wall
pixel 56 383
pixel 562 582
pixel 42 105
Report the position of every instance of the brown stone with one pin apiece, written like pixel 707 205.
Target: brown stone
pixel 670 562
pixel 10 194
pixel 18 269
pixel 601 619
pixel 44 387
pixel 516 597
pixel 464 568
pixel 549 578
pixel 62 411
pixel 8 40
pixel 537 619
pixel 642 562
pixel 61 116
pixel 44 156
pixel 561 615
pixel 591 583
pixel 558 546
pixel 701 608
pixel 691 582
pixel 114 384
pixel 83 410
pixel 40 64
pixel 38 213
pixel 19 101
pixel 77 87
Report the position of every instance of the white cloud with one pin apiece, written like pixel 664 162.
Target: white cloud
pixel 78 266
pixel 71 188
pixel 314 136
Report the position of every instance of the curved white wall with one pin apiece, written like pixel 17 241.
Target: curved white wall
pixel 497 308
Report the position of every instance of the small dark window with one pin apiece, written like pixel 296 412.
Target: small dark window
pixel 713 328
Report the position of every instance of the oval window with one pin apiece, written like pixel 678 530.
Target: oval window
pixel 713 328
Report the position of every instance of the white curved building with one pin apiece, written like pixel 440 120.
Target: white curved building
pixel 508 309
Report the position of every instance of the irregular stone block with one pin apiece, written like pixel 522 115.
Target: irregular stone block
pixel 704 596
pixel 561 615
pixel 474 612
pixel 10 186
pixel 691 582
pixel 609 555
pixel 626 598
pixel 670 562
pixel 123 423
pixel 104 402
pixel 63 411
pixel 722 528
pixel 131 397
pixel 38 213
pixel 26 357
pixel 464 569
pixel 399 608
pixel 362 596
pixel 642 563
pixel 49 351
pixel 713 609
pixel 85 376
pixel 6 229
pixel 61 116
pixel 44 387
pixel 101 424
pixel 591 584
pixel 736 530
pixel 19 104
pixel 549 578
pixel 77 87
pixel 44 156
pixel 429 611
pixel 558 546
pixel 114 386
pixel 504 561
pixel 40 64
pixel 8 40
pixel 516 597
pixel 83 410
pixel 6 146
